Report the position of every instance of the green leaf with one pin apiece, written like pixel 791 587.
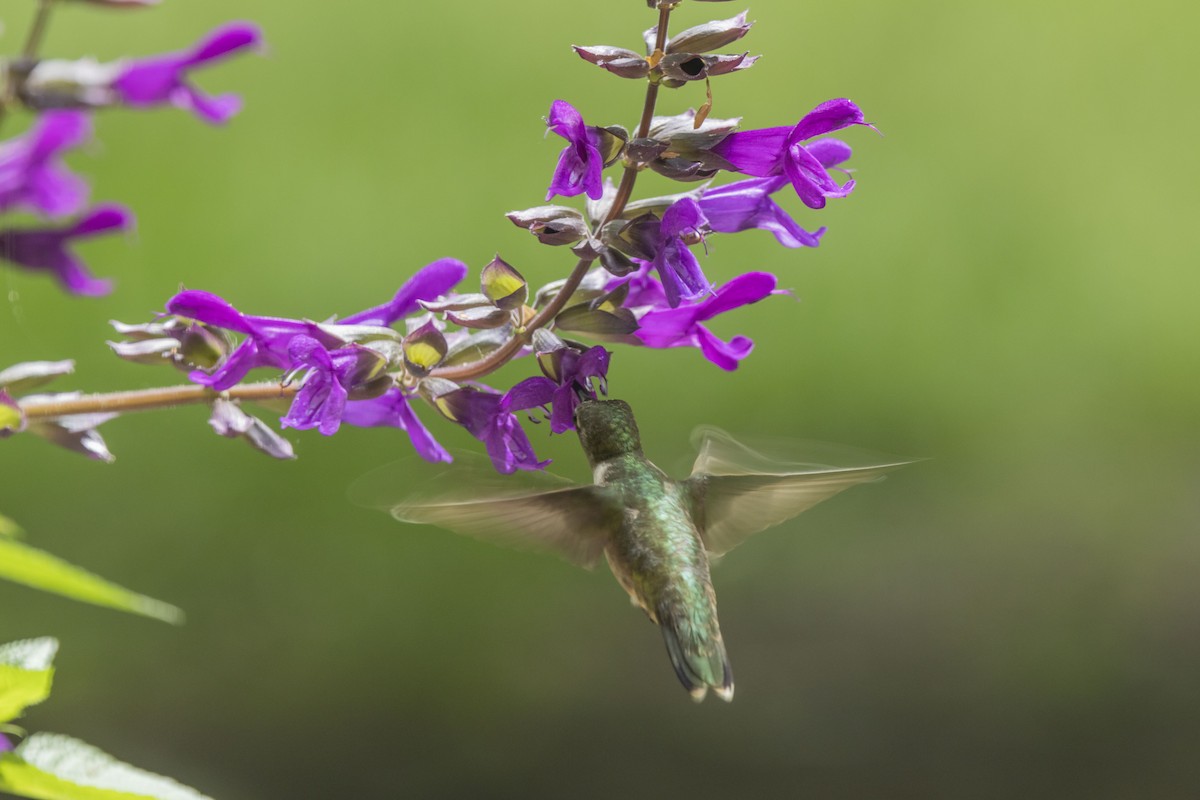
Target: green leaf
pixel 24 564
pixel 49 766
pixel 25 674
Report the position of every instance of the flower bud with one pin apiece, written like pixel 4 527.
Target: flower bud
pixel 476 346
pixel 553 225
pixel 183 343
pixel 679 68
pixel 488 316
pixel 59 83
pixel 12 418
pixel 709 36
pixel 424 349
pixel 21 378
pixel 637 237
pixel 503 285
pixel 455 302
pixel 602 318
pixel 617 60
pixel 229 420
pixel 612 143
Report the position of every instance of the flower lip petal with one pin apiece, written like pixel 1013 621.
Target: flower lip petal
pixel 829 116
pixel 228 38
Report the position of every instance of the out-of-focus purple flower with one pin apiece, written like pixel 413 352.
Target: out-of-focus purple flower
pixel 163 79
pixel 266 338
pixel 331 376
pixel 31 176
pixel 429 282
pixel 575 373
pixel 747 204
pixel 677 266
pixel 49 249
pixel 489 418
pixel 5 744
pixel 391 409
pixel 681 327
pixel 772 151
pixel 580 163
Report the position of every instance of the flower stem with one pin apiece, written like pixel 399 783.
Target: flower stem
pixel 150 399
pixel 33 42
pixel 37 31
pixel 510 348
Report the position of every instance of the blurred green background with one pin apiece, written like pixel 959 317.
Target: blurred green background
pixel 1010 292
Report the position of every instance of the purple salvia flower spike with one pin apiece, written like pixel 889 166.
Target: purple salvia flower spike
pixel 391 409
pixel 580 163
pixel 49 249
pixel 162 79
pixel 431 281
pixel 30 175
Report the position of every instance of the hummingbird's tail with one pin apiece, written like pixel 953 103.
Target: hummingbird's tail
pixel 697 653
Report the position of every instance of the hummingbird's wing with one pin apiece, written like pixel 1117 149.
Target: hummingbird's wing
pixel 737 491
pixel 560 517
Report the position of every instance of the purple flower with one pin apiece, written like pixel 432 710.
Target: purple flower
pixel 31 176
pixel 575 372
pixel 429 282
pixel 332 375
pixel 162 79
pixel 391 409
pixel 5 744
pixel 489 418
pixel 580 163
pixel 771 151
pixel 267 338
pixel 747 204
pixel 677 266
pixel 48 249
pixel 680 327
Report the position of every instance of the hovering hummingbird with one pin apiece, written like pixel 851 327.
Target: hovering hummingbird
pixel 658 534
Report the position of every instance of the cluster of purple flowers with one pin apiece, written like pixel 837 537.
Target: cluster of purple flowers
pixel 638 280
pixel 62 93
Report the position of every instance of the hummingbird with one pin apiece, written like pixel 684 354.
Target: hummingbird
pixel 658 534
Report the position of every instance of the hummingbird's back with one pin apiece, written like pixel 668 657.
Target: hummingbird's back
pixel 657 554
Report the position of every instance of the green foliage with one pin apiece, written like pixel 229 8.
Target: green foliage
pixel 24 564
pixel 49 766
pixel 25 675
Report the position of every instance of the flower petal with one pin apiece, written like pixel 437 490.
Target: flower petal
pixel 829 116
pixel 755 152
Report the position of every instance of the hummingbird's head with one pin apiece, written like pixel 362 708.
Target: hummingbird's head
pixel 607 429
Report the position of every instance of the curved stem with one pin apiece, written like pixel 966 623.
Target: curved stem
pixel 149 399
pixel 33 42
pixel 510 348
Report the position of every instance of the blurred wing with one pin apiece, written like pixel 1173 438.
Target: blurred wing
pixel 571 521
pixel 738 491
